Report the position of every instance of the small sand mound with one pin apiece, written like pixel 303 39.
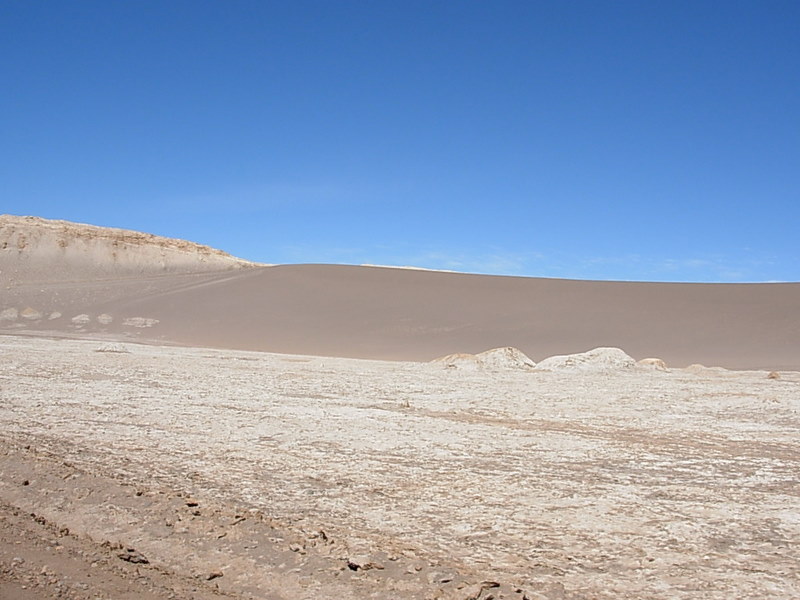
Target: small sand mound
pixel 30 314
pixel 505 358
pixel 496 359
pixel 599 359
pixel 653 363
pixel 699 369
pixel 113 347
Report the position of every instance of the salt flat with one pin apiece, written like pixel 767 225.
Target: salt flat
pixel 320 477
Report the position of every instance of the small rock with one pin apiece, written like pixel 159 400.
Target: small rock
pixel 440 577
pixel 363 563
pixel 653 363
pixel 479 591
pixel 81 319
pixel 30 314
pixel 113 348
pixel 318 535
pixel 140 322
pixel 773 375
pixel 472 592
pixel 26 482
pixel 213 575
pixel 132 556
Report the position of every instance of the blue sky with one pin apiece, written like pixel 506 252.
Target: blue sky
pixel 594 140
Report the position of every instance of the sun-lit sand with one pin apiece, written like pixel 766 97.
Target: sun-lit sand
pixel 128 285
pixel 535 459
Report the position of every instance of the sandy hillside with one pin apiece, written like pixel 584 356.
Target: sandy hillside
pixel 149 472
pixel 170 291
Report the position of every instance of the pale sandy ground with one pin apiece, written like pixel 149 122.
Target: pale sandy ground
pixel 252 475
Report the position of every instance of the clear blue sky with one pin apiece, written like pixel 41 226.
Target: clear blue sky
pixel 604 140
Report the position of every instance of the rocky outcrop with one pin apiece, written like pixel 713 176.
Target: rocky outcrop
pixel 113 348
pixel 496 359
pixel 656 364
pixel 599 359
pixel 41 250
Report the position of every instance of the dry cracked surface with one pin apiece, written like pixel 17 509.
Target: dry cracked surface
pixel 197 473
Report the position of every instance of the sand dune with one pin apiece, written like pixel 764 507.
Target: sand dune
pixel 205 298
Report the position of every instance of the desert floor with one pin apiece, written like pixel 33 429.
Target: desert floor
pixel 193 473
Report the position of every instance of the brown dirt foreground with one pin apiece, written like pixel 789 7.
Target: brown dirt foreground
pixel 195 473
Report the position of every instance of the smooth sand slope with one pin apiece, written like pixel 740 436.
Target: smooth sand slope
pixel 197 296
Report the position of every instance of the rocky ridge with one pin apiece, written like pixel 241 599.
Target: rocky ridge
pixel 35 249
